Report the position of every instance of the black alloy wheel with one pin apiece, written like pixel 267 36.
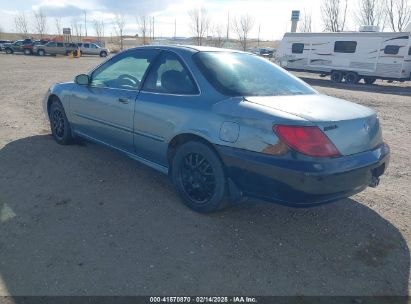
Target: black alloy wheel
pixel 58 123
pixel 60 126
pixel 198 176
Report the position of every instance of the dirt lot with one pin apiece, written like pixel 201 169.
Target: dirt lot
pixel 85 220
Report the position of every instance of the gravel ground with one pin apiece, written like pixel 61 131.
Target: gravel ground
pixel 83 219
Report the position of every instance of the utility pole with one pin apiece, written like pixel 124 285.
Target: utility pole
pixel 85 22
pixel 259 29
pixel 153 29
pixel 175 29
pixel 228 24
pixel 150 30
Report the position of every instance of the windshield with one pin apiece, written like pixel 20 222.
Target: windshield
pixel 241 74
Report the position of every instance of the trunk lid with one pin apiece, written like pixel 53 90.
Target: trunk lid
pixel 352 128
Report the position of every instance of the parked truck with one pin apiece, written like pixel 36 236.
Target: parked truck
pixel 349 56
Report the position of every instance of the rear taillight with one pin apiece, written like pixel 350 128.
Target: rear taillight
pixel 307 140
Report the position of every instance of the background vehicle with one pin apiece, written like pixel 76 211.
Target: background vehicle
pixel 54 48
pixel 28 48
pixel 2 42
pixel 17 47
pixel 349 56
pixel 87 48
pixel 263 52
pixel 222 124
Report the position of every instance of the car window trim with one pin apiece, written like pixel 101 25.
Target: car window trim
pixel 124 53
pixel 184 64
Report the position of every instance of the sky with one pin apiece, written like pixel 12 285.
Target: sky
pixel 271 16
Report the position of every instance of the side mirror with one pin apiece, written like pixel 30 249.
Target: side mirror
pixel 82 79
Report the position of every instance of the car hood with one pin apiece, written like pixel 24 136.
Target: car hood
pixel 314 107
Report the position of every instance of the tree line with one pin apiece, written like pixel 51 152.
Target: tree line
pixel 38 23
pixel 386 14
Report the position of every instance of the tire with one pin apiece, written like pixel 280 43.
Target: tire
pixel 103 54
pixel 27 52
pixel 9 51
pixel 352 78
pixel 59 124
pixel 369 80
pixel 41 52
pixel 198 176
pixel 68 53
pixel 337 76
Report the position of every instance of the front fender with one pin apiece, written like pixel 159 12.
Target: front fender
pixel 62 91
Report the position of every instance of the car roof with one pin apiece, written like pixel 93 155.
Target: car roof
pixel 187 48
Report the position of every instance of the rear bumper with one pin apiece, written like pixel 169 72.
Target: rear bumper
pixel 301 181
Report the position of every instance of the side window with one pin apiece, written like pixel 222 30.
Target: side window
pixel 60 44
pixel 93 46
pixel 80 44
pixel 19 43
pixel 124 71
pixel 297 48
pixel 170 76
pixel 345 47
pixel 86 45
pixel 409 51
pixel 52 44
pixel 392 49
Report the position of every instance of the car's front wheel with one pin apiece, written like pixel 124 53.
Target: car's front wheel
pixel 9 51
pixel 103 54
pixel 198 176
pixel 41 52
pixel 59 124
pixel 27 52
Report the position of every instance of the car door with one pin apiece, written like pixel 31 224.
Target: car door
pixel 166 100
pixel 60 49
pixel 86 49
pixel 104 109
pixel 94 49
pixel 407 61
pixel 18 46
pixel 50 47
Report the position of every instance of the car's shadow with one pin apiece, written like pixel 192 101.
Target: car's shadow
pixel 380 88
pixel 84 220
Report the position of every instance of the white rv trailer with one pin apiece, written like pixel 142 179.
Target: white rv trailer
pixel 349 56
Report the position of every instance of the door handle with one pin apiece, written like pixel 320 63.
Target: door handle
pixel 123 100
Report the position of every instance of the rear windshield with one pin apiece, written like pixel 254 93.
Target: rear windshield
pixel 241 74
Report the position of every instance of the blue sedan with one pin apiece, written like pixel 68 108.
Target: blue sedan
pixel 223 125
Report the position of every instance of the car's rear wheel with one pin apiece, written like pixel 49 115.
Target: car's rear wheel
pixel 103 54
pixel 337 76
pixel 59 124
pixel 41 52
pixel 198 176
pixel 9 51
pixel 27 52
pixel 369 80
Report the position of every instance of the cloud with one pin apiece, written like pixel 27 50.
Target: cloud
pixel 136 7
pixel 58 9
